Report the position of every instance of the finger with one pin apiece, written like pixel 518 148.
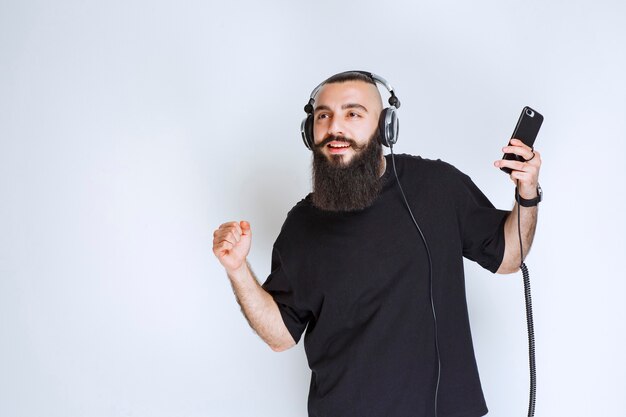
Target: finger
pixel 523 151
pixel 231 225
pixel 221 248
pixel 514 165
pixel 245 228
pixel 235 234
pixel 537 159
pixel 227 224
pixel 221 242
pixel 519 142
pixel 230 236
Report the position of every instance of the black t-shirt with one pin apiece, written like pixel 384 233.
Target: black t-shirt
pixel 359 281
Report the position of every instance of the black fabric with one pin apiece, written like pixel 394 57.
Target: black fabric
pixel 359 281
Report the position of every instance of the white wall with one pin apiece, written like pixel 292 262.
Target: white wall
pixel 129 130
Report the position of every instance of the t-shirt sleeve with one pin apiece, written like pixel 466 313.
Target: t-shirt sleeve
pixel 482 227
pixel 280 287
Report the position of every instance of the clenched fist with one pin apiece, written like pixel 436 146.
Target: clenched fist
pixel 231 244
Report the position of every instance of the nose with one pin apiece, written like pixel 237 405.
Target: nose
pixel 333 127
pixel 336 127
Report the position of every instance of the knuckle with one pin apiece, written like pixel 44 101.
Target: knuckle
pixel 227 225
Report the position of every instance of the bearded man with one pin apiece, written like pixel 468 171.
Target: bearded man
pixel 349 267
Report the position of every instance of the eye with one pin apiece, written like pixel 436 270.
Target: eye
pixel 322 116
pixel 353 115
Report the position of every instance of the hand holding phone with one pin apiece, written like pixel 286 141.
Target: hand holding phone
pixel 526 130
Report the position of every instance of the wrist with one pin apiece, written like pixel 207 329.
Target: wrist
pixel 528 199
pixel 527 191
pixel 239 272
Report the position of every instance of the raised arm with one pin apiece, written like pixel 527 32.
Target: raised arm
pixel 231 245
pixel 527 173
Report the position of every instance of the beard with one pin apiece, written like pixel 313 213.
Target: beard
pixel 339 186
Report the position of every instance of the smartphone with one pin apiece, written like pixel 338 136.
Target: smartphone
pixel 526 130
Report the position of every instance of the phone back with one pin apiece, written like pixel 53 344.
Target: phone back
pixel 526 130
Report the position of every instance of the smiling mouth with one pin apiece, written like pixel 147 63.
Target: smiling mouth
pixel 338 147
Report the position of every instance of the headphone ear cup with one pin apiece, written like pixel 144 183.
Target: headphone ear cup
pixel 394 126
pixel 381 128
pixel 388 127
pixel 306 129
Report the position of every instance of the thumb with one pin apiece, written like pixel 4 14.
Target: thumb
pixel 245 228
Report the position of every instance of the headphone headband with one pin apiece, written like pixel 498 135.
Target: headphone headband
pixel 393 100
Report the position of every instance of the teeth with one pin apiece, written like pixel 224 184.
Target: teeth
pixel 338 146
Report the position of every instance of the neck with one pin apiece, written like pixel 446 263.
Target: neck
pixel 383 166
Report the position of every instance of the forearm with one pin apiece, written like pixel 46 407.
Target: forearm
pixel 525 175
pixel 528 223
pixel 260 309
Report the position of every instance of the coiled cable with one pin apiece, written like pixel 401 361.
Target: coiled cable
pixel 529 318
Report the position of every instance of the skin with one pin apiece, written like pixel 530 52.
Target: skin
pixel 527 173
pixel 231 245
pixel 351 109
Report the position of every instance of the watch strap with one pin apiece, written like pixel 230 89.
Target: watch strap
pixel 531 202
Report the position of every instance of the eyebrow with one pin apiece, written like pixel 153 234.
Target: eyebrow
pixel 343 107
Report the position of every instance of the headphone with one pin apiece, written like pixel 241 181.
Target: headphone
pixel 388 127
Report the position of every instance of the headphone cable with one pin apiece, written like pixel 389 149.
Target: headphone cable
pixel 527 296
pixel 430 276
pixel 529 318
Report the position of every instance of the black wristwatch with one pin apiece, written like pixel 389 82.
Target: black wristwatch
pixel 532 202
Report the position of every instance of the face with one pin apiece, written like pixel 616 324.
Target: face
pixel 345 118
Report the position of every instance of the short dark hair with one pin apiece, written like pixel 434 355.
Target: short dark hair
pixel 343 77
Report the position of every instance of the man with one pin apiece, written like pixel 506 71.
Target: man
pixel 350 267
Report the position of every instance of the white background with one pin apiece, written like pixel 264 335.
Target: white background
pixel 129 130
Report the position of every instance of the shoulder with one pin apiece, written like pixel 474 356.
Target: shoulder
pixel 299 224
pixel 431 169
pixel 302 207
pixel 298 215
